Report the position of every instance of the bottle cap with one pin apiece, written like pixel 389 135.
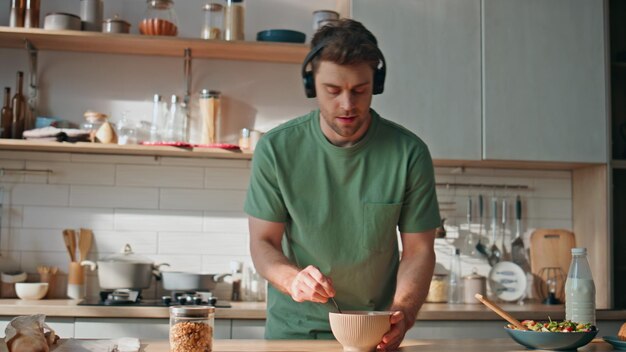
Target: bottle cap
pixel 579 251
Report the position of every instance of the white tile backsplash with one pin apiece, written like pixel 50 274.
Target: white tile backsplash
pixel 66 217
pixel 114 197
pixel 228 200
pixel 188 212
pixel 159 176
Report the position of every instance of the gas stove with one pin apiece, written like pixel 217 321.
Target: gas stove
pixel 133 298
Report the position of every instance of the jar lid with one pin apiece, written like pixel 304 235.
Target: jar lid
pixel 115 19
pixel 63 14
pixel 326 11
pixel 579 250
pixel 191 311
pixel 205 93
pixel 213 7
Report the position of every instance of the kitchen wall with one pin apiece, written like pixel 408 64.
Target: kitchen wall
pixel 187 212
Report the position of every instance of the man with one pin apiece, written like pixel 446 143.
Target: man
pixel 327 192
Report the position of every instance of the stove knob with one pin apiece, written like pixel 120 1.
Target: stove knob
pixel 197 300
pixel 212 301
pixel 167 300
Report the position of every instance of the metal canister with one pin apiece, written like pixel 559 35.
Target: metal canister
pixel 115 25
pixel 473 284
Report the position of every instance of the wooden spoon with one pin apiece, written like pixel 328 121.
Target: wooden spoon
pixel 68 238
pixel 85 239
pixel 494 307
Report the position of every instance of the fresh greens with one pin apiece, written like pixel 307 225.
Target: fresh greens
pixel 553 326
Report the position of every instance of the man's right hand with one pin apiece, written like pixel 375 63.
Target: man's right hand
pixel 311 285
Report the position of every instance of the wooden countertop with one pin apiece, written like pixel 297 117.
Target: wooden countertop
pixel 466 345
pixel 256 311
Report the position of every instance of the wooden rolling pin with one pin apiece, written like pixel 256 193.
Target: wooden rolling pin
pixel 494 307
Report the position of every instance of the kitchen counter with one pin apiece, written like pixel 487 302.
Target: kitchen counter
pixel 256 311
pixel 467 345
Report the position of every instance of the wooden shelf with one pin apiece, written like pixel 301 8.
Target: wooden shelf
pixel 94 42
pixel 114 149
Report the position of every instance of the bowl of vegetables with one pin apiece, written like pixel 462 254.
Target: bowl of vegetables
pixel 552 335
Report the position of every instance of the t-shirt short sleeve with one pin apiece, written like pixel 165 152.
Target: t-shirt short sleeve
pixel 264 199
pixel 420 209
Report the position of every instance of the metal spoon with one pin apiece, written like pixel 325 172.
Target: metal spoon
pixel 336 305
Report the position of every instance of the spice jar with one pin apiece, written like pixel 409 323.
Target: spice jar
pixel 438 291
pixel 473 284
pixel 233 20
pixel 191 328
pixel 160 19
pixel 212 28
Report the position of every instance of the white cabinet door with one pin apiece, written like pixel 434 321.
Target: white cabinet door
pixel 544 80
pixel 433 85
pixel 151 329
pixel 248 329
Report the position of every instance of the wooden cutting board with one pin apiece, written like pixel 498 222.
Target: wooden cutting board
pixel 551 248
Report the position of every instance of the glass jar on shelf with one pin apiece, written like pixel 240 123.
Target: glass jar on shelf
pixel 234 20
pixel 438 292
pixel 191 328
pixel 213 21
pixel 159 19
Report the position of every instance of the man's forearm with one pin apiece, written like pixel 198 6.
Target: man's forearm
pixel 272 264
pixel 413 281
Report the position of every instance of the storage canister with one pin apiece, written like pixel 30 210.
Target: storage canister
pixel 191 328
pixel 115 25
pixel 234 20
pixel 213 18
pixel 438 291
pixel 160 19
pixel 473 284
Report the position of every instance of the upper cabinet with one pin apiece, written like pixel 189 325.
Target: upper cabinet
pixel 432 49
pixel 495 79
pixel 545 81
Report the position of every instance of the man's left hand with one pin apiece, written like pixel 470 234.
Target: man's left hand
pixel 392 339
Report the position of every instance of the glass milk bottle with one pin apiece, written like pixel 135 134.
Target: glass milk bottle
pixel 580 291
pixel 455 285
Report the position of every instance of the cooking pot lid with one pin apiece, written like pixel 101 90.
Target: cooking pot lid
pixel 128 256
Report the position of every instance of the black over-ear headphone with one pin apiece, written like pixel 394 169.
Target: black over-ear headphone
pixel 309 80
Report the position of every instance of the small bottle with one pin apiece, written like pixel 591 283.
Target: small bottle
pixel 213 18
pixel 237 275
pixel 244 139
pixel 16 17
pixel 234 20
pixel 191 328
pixel 31 15
pixel 7 115
pixel 580 290
pixel 175 125
pixel 18 105
pixel 210 113
pixel 455 283
pixel 159 110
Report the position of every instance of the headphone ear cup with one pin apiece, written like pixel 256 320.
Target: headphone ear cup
pixel 379 81
pixel 309 84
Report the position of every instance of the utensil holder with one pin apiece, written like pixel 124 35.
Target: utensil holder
pixel 76 281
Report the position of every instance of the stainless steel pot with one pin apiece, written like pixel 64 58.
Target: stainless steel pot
pixel 115 25
pixel 125 270
pixel 186 281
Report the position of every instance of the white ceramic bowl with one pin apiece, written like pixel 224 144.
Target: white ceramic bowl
pixel 359 331
pixel 31 290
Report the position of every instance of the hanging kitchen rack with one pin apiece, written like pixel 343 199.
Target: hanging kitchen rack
pixel 4 171
pixel 482 185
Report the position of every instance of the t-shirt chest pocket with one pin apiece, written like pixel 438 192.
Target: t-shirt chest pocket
pixel 380 221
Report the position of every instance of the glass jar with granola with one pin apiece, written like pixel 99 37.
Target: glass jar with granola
pixel 191 328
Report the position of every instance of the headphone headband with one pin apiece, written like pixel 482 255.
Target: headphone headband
pixel 309 80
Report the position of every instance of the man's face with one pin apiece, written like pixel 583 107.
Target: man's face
pixel 344 94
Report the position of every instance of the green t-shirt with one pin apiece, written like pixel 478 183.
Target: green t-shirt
pixel 341 207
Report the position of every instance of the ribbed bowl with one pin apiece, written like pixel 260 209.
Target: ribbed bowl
pixel 359 331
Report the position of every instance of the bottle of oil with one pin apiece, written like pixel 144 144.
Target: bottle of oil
pixel 19 108
pixel 7 115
